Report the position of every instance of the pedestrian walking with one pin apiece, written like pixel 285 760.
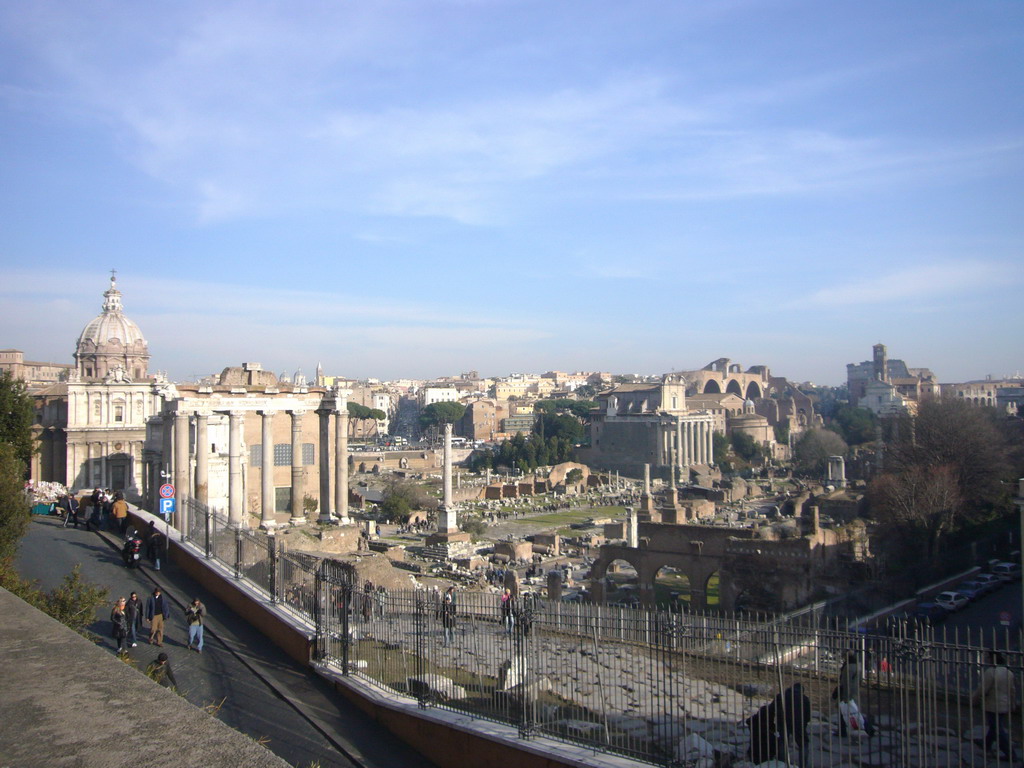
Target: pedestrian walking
pixel 155 545
pixel 508 604
pixel 119 508
pixel 159 670
pixel 997 695
pixel 133 612
pixel 69 504
pixel 195 616
pixel 158 609
pixel 848 694
pixel 119 626
pixel 448 615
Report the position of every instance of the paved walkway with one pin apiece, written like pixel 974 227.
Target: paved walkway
pixel 254 687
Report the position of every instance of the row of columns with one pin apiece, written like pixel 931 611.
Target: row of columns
pixel 690 442
pixel 177 445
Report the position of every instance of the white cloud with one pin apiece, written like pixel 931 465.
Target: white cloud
pixel 916 283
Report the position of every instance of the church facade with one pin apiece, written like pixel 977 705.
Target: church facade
pixel 91 428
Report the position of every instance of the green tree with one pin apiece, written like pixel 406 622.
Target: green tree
pixel 573 476
pixel 401 497
pixel 437 414
pixel 746 447
pixel 17 413
pixel 14 509
pixel 474 526
pixel 812 450
pixel 719 446
pixel 855 425
pixel 561 426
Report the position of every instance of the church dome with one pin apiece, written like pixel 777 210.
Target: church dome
pixel 112 341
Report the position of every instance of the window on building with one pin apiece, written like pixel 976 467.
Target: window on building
pixel 118 413
pixel 255 456
pixel 282 498
pixel 282 454
pixel 308 454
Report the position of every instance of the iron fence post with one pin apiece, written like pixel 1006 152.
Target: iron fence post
pixel 520 642
pixel 208 532
pixel 346 602
pixel 238 553
pixel 273 552
pixel 420 622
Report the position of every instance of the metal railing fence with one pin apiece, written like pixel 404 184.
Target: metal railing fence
pixel 666 688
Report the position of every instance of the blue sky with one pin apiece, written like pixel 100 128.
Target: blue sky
pixel 414 189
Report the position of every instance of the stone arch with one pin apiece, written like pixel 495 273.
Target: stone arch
pixel 734 387
pixel 672 588
pixel 606 576
pixel 753 391
pixel 711 388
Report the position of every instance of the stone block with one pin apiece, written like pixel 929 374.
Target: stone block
pixel 435 685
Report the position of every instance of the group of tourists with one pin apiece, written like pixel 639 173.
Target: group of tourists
pixel 127 620
pixel 98 510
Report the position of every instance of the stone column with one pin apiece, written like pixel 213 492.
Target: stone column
pixel 447 519
pixel 236 494
pixel 710 443
pixel 632 528
pixel 324 415
pixel 701 456
pixel 268 501
pixel 202 485
pixel 180 466
pixel 341 462
pixel 684 443
pixel 680 451
pixel 647 479
pixel 298 515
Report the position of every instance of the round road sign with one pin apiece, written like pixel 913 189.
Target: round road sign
pixel 166 491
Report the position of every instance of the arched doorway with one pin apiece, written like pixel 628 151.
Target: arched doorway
pixel 672 589
pixel 734 387
pixel 753 391
pixel 712 388
pixel 621 584
pixel 712 591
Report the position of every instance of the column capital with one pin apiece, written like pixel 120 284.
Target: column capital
pixel 266 412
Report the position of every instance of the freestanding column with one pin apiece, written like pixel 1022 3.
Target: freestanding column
pixel 236 498
pixel 448 518
pixel 680 452
pixel 341 461
pixel 324 414
pixel 298 515
pixel 180 471
pixel 647 479
pixel 202 486
pixel 268 502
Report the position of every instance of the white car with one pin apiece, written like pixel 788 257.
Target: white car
pixel 1006 571
pixel 951 601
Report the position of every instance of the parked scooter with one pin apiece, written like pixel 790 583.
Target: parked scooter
pixel 131 552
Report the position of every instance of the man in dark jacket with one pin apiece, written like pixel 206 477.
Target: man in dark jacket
pixel 69 504
pixel 158 608
pixel 160 670
pixel 133 611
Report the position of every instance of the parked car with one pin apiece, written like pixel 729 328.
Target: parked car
pixel 932 613
pixel 1006 572
pixel 951 601
pixel 972 590
pixel 991 582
